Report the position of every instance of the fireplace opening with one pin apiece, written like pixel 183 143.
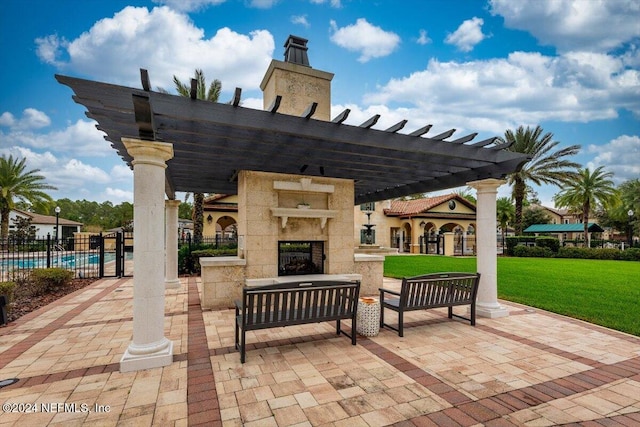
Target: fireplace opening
pixel 300 257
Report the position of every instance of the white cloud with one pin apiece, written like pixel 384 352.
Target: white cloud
pixel 301 20
pixel 369 40
pixel 334 3
pixel 121 172
pixel 189 5
pixel 468 34
pixel 263 4
pixel 524 88
pixel 50 47
pixel 7 119
pixel 620 156
pixel 80 138
pixel 573 24
pixel 166 43
pixel 423 39
pixel 31 119
pixel 117 196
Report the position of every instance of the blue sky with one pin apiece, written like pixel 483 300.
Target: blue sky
pixel 571 66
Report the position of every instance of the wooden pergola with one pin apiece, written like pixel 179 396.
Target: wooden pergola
pixel 202 147
pixel 212 142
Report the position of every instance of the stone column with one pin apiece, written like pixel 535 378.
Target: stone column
pixel 487 259
pixel 171 280
pixel 149 348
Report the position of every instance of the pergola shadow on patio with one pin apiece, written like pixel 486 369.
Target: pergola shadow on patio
pixel 530 368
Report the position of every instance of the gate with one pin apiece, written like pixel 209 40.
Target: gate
pixel 116 254
pixel 432 244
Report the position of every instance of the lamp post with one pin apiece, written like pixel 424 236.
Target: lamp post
pixel 57 210
pixel 630 213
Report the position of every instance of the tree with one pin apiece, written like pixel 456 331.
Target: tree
pixel 534 215
pixel 18 184
pixel 505 212
pixel 588 189
pixel 545 167
pixel 211 94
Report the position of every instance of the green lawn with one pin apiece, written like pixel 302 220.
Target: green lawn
pixel 606 293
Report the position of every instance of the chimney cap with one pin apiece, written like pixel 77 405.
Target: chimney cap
pixel 296 51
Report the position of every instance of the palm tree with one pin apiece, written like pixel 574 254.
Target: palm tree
pixel 588 189
pixel 545 167
pixel 208 94
pixel 15 183
pixel 505 214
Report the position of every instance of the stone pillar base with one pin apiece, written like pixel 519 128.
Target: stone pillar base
pixel 135 362
pixel 491 311
pixel 172 284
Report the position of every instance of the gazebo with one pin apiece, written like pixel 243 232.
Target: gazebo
pixel 176 143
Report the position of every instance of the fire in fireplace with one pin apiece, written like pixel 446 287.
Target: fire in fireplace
pixel 300 257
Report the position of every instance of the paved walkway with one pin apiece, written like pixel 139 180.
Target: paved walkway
pixel 531 368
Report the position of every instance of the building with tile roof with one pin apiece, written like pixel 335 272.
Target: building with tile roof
pixel 406 225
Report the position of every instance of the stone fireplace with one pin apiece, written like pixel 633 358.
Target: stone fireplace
pixel 292 225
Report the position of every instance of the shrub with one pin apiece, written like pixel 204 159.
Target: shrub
pixel 8 289
pixel 188 256
pixel 513 241
pixel 630 254
pixel 548 242
pixel 46 280
pixel 532 251
pixel 211 252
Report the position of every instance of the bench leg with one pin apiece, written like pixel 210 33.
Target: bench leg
pixel 338 327
pixel 450 312
pixel 473 314
pixel 242 347
pixel 400 323
pixel 237 336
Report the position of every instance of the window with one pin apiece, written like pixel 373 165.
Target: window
pixel 371 206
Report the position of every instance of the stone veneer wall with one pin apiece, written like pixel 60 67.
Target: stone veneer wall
pixel 260 230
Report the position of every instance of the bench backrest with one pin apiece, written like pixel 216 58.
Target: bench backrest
pixel 300 302
pixel 439 289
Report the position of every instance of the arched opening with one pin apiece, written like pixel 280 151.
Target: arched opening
pixel 406 238
pixel 226 228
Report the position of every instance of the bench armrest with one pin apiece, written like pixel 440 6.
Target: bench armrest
pixel 388 291
pixel 238 305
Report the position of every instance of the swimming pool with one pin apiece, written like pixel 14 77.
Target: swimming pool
pixel 69 260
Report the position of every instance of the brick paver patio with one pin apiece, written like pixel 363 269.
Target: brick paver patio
pixel 531 368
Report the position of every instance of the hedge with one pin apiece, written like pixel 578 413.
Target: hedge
pixel 45 280
pixel 188 258
pixel 532 251
pixel 543 241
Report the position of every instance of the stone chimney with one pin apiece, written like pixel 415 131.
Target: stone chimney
pixel 297 82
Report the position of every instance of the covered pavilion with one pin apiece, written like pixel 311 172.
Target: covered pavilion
pixel 176 143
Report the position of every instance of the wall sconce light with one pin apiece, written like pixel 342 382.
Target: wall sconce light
pixel 422 224
pixel 209 219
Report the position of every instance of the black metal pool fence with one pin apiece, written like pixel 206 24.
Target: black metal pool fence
pixel 88 256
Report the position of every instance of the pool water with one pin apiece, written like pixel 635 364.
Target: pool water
pixel 60 260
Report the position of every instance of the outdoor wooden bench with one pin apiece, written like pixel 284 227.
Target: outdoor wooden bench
pixel 431 291
pixel 295 303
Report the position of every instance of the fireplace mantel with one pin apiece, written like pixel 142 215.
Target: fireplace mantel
pixel 286 213
pixel 305 185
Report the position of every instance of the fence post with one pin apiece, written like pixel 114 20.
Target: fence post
pixel 48 250
pixel 119 254
pixel 101 252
